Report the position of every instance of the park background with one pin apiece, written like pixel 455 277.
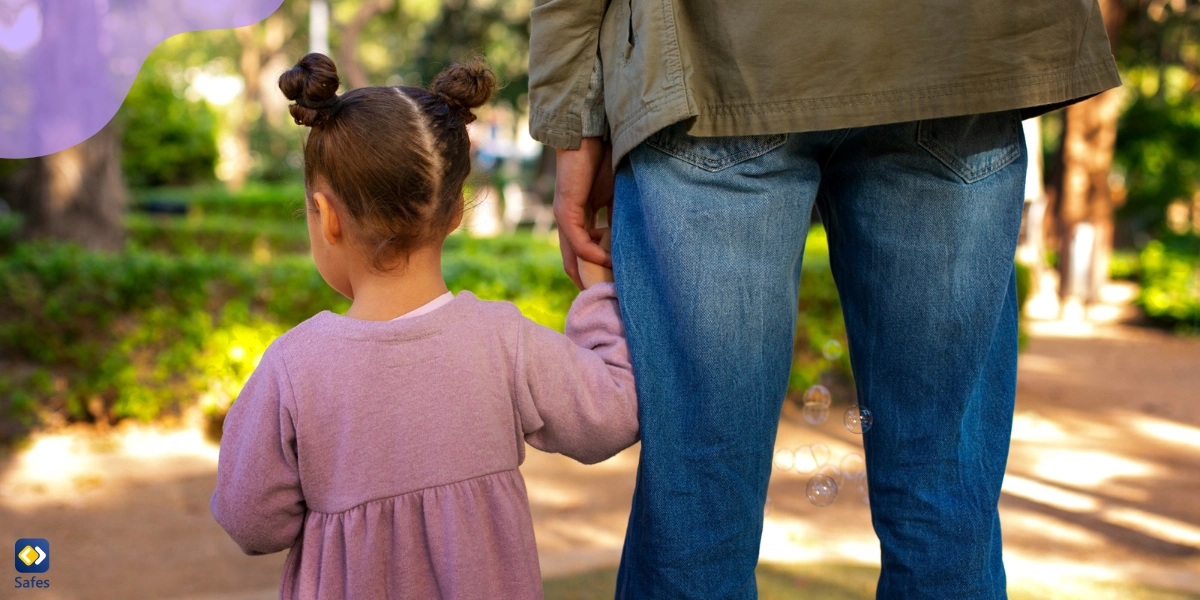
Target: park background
pixel 144 271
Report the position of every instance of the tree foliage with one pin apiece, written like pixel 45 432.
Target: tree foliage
pixel 167 139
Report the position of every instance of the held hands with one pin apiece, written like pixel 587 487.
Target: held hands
pixel 591 273
pixel 583 185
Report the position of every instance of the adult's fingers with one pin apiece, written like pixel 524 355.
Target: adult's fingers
pixel 570 261
pixel 602 186
pixel 573 211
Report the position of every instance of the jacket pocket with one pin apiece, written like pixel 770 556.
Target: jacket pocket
pixel 712 153
pixel 973 146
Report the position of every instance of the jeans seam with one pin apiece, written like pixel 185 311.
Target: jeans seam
pixel 833 151
pixel 681 152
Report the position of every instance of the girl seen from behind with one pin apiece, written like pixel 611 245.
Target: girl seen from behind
pixel 382 446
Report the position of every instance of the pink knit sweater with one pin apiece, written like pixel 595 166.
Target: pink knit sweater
pixel 385 454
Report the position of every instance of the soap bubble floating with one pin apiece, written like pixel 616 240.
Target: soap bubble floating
pixel 815 414
pixel 817 395
pixel 825 478
pixel 820 454
pixel 821 490
pixel 854 467
pixel 857 420
pixel 767 507
pixel 832 472
pixel 785 459
pixel 806 462
pixel 832 350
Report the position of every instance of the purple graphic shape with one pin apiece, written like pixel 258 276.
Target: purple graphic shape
pixel 66 65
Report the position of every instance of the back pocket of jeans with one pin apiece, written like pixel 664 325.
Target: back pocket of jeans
pixel 713 153
pixel 973 146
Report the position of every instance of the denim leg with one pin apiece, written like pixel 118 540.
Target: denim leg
pixel 923 221
pixel 708 236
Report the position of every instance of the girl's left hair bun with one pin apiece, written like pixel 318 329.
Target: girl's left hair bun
pixel 312 84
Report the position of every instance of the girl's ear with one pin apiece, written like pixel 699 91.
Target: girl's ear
pixel 458 215
pixel 331 226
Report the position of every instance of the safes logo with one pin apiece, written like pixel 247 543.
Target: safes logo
pixel 32 555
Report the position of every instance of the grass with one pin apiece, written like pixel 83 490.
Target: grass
pixel 853 582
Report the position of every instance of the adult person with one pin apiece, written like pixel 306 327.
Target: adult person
pixel 727 122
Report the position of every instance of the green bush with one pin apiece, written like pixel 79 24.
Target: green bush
pixel 820 345
pixel 1158 152
pixel 279 201
pixel 217 234
pixel 10 226
pixel 1124 265
pixel 1171 282
pixel 140 333
pixel 167 139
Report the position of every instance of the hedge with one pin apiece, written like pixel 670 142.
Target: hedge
pixel 138 333
pixel 1170 274
pixel 143 333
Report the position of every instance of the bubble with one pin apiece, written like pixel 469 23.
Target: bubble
pixel 832 350
pixel 821 490
pixel 784 459
pixel 831 472
pixel 767 507
pixel 820 454
pixel 805 461
pixel 854 467
pixel 814 414
pixel 817 395
pixel 857 420
pixel 861 487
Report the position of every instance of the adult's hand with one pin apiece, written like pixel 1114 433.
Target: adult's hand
pixel 583 185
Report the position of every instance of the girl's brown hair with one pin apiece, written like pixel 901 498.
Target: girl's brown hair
pixel 395 157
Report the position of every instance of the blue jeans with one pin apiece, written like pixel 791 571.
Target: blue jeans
pixel 708 237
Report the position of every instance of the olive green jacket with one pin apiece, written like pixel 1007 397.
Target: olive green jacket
pixel 744 67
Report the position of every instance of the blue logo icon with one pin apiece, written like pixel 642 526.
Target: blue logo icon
pixel 32 555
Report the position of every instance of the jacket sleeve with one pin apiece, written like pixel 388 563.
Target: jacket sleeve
pixel 575 392
pixel 563 43
pixel 258 500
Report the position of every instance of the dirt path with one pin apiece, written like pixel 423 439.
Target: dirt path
pixel 1103 483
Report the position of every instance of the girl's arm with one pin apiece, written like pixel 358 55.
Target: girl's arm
pixel 258 498
pixel 575 392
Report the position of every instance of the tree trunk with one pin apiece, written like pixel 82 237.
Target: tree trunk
pixel 348 52
pixel 78 194
pixel 1085 205
pixel 260 44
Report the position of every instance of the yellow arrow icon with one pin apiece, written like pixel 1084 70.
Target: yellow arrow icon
pixel 27 555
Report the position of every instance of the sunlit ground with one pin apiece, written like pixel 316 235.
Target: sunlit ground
pixel 1099 501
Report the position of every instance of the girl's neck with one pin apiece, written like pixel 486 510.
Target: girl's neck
pixel 385 296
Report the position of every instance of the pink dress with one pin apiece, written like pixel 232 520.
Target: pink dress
pixel 385 454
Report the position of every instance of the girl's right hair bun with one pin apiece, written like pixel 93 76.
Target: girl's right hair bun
pixel 312 84
pixel 465 86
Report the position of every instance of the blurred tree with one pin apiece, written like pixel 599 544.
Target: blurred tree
pixel 352 72
pixel 262 44
pixel 1085 204
pixel 168 140
pixel 496 29
pixel 77 194
pixel 1158 151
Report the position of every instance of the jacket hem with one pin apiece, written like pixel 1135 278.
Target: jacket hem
pixel 993 95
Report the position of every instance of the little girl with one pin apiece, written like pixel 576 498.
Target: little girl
pixel 382 446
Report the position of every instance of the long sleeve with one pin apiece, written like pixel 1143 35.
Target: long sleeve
pixel 563 42
pixel 595 123
pixel 258 500
pixel 576 393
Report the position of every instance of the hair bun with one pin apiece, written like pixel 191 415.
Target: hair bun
pixel 312 84
pixel 465 86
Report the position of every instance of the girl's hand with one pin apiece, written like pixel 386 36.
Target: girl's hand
pixel 591 273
